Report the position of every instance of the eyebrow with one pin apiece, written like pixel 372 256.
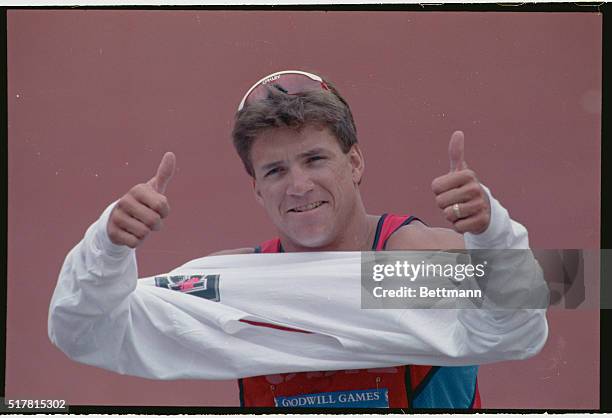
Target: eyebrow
pixel 304 154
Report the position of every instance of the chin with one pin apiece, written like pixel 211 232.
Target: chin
pixel 313 243
pixel 311 239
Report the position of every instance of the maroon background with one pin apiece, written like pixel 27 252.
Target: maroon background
pixel 96 97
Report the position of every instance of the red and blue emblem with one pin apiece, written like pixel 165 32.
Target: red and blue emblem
pixel 203 286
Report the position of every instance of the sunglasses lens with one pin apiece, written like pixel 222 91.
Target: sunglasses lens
pixel 288 83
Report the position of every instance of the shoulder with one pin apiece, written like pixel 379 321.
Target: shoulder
pixel 417 236
pixel 234 251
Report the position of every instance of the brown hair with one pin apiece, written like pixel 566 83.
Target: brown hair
pixel 326 108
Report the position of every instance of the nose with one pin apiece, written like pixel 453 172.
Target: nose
pixel 299 182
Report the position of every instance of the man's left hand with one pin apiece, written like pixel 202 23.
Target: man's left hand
pixel 459 194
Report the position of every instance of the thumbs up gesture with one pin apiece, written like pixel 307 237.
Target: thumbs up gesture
pixel 142 209
pixel 459 194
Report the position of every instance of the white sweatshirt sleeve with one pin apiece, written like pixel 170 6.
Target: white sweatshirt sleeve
pixel 515 273
pixel 102 315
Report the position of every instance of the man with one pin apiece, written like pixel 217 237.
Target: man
pixel 297 140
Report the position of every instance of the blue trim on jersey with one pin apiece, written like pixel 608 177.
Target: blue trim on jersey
pixel 241 393
pixel 379 226
pixel 448 387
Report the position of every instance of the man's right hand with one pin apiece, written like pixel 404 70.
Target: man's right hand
pixel 142 209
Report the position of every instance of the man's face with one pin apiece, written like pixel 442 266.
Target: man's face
pixel 307 185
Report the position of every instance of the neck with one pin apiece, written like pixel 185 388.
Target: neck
pixel 357 235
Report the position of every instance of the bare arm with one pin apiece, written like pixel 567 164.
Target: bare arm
pixel 417 236
pixel 246 250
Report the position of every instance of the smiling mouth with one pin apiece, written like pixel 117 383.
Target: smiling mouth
pixel 308 207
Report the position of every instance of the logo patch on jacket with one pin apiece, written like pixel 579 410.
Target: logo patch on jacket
pixel 199 285
pixel 369 398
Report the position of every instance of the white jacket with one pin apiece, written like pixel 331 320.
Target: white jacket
pixel 102 315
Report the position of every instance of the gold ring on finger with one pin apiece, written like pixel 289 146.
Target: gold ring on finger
pixel 457 211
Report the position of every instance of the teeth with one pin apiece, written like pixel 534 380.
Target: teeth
pixel 309 206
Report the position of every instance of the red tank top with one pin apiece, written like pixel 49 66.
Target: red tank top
pixel 393 387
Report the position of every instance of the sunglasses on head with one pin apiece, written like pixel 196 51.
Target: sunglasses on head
pixel 289 82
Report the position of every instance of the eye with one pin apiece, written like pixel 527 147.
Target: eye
pixel 273 171
pixel 315 158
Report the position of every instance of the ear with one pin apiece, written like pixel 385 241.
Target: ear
pixel 256 192
pixel 357 163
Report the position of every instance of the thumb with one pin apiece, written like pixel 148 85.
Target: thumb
pixel 455 152
pixel 165 171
